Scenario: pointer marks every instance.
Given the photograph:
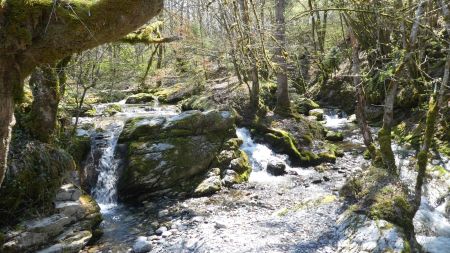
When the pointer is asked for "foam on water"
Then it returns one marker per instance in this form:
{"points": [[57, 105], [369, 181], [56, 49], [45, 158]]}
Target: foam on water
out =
{"points": [[260, 156]]}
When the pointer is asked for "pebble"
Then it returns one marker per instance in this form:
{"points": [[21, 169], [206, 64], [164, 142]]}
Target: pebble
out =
{"points": [[192, 244], [155, 224], [219, 225], [198, 219], [161, 230], [166, 234], [163, 213], [142, 245]]}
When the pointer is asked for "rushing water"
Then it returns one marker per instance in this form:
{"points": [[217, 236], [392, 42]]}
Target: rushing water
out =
{"points": [[105, 191], [123, 224]]}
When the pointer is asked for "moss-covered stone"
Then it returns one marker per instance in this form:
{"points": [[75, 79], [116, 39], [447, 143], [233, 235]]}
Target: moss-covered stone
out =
{"points": [[141, 98], [334, 136], [79, 148], [201, 103], [318, 113], [304, 105], [112, 109], [173, 153], [174, 93], [282, 142], [35, 174], [380, 196], [327, 157]]}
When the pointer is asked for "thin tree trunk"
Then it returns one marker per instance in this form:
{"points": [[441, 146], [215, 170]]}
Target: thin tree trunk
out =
{"points": [[361, 100], [283, 102], [411, 56], [9, 75], [149, 65], [313, 25], [384, 135], [159, 62], [446, 79], [254, 96]]}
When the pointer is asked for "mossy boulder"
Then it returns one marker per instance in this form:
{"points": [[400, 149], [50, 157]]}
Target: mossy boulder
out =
{"points": [[34, 175], [318, 113], [283, 142], [201, 103], [334, 136], [379, 195], [304, 105], [112, 109], [174, 93], [170, 155], [141, 98], [79, 148]]}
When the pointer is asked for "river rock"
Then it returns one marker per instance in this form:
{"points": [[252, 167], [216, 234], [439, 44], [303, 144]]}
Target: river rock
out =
{"points": [[68, 192], [276, 168], [208, 186], [318, 113], [141, 98], [68, 230], [334, 136], [358, 233], [52, 225], [142, 245], [161, 230], [169, 155]]}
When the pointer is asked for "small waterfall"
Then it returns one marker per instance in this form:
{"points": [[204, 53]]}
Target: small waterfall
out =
{"points": [[335, 119], [105, 191], [260, 156]]}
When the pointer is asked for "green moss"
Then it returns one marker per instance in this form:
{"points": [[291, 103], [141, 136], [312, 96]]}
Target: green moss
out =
{"points": [[174, 93], [112, 109], [283, 142], [201, 103], [90, 113], [327, 157], [29, 189], [79, 148], [381, 196], [334, 136], [141, 98]]}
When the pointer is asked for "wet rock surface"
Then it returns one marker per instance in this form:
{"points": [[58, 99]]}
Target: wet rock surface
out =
{"points": [[171, 155], [68, 230]]}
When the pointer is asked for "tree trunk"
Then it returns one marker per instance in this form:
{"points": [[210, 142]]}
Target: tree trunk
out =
{"points": [[361, 100], [9, 78], [255, 90], [283, 102], [44, 83]]}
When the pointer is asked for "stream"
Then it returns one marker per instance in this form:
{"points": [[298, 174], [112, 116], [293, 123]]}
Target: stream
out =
{"points": [[297, 212]]}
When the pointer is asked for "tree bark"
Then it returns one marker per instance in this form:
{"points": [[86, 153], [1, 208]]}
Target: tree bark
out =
{"points": [[37, 37], [44, 83], [9, 77], [283, 102], [361, 100]]}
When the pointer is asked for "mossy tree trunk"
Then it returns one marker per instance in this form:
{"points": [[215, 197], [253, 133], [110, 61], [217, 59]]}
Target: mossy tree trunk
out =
{"points": [[38, 32], [360, 98], [435, 104], [384, 135], [283, 102], [44, 83], [47, 84]]}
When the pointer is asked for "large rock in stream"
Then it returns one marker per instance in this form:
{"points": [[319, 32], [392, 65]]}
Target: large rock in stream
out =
{"points": [[172, 155]]}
